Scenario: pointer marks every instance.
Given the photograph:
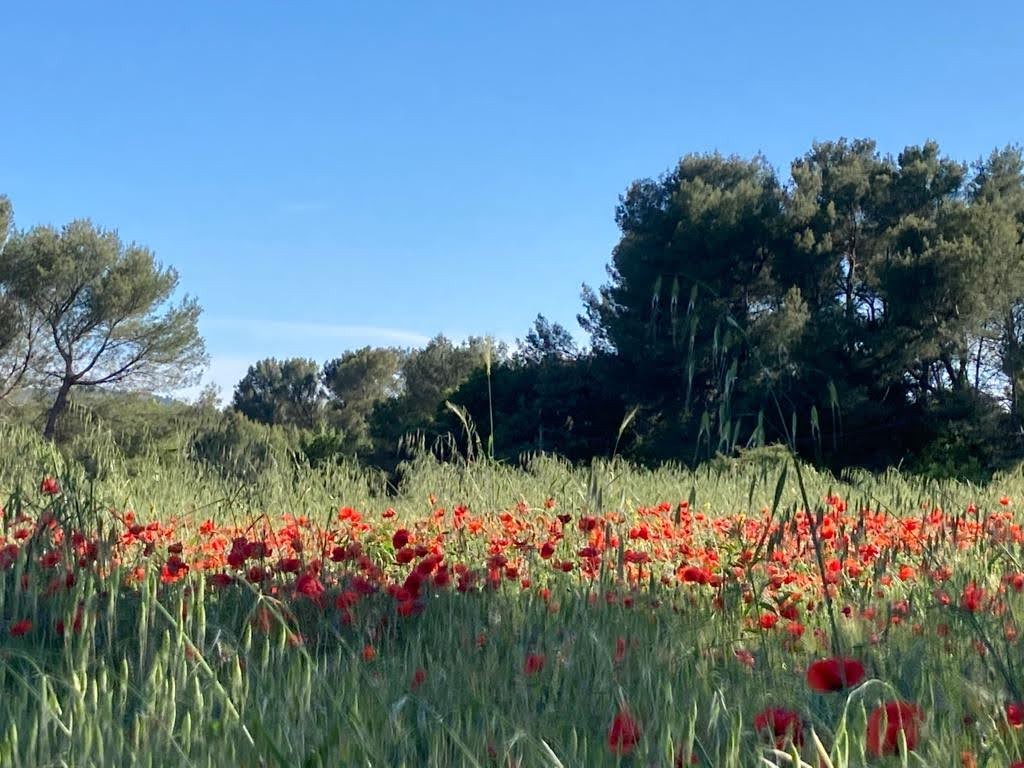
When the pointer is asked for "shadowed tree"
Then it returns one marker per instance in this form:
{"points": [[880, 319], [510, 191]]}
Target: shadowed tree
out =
{"points": [[106, 312], [691, 274], [867, 296], [281, 392], [428, 377], [357, 381], [546, 341]]}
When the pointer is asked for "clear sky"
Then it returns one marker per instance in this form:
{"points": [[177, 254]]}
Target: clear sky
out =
{"points": [[326, 175]]}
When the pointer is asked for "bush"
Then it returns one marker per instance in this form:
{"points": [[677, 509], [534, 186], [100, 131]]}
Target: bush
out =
{"points": [[244, 449]]}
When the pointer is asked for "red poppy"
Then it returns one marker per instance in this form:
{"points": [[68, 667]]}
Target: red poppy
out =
{"points": [[173, 569], [1015, 713], [309, 585], [623, 734], [400, 539], [694, 575], [973, 597], [408, 608], [834, 674], [418, 677], [49, 486], [885, 724], [369, 653], [620, 650], [20, 628], [534, 663], [782, 724]]}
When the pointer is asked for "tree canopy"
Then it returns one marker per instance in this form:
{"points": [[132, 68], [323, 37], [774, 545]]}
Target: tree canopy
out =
{"points": [[871, 292], [106, 311], [358, 381], [281, 392]]}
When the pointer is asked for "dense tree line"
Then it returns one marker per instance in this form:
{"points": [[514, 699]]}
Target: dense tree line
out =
{"points": [[868, 310]]}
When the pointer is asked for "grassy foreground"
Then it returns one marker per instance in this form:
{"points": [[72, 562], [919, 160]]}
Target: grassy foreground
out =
{"points": [[160, 615]]}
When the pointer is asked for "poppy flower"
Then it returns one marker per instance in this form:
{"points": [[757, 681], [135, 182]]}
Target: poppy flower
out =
{"points": [[173, 569], [973, 598], [1015, 713], [309, 585], [369, 653], [834, 674], [620, 650], [782, 724], [49, 486], [21, 628], [623, 734], [400, 538], [534, 663], [885, 724], [693, 575], [408, 608], [417, 678]]}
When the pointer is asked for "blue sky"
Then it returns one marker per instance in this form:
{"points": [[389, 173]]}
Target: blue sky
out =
{"points": [[328, 175]]}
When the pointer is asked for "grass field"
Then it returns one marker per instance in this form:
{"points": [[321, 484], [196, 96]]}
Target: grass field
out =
{"points": [[157, 614]]}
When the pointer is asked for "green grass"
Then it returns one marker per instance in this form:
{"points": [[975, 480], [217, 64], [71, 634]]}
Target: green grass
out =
{"points": [[182, 674]]}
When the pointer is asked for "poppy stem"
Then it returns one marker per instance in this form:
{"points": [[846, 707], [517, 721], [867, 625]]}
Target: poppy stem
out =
{"points": [[819, 556]]}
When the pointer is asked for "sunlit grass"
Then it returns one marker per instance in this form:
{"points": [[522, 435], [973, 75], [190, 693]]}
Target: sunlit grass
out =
{"points": [[158, 669]]}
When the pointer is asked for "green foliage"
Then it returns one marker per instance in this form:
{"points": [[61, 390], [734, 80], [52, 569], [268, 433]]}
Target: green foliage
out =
{"points": [[543, 404], [867, 311], [244, 449], [105, 309], [851, 304], [358, 381], [322, 446], [546, 341], [428, 377], [17, 328], [286, 392], [182, 674], [6, 214]]}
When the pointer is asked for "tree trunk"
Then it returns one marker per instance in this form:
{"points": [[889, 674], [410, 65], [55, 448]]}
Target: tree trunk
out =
{"points": [[57, 409]]}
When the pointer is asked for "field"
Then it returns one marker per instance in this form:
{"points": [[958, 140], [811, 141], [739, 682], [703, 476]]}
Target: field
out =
{"points": [[158, 614]]}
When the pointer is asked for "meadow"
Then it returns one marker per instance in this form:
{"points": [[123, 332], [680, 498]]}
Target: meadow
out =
{"points": [[750, 612]]}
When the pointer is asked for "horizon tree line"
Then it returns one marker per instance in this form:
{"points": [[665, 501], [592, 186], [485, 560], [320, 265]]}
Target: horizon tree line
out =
{"points": [[867, 309]]}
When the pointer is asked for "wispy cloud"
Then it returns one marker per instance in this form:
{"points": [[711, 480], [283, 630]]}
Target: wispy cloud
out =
{"points": [[284, 328]]}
